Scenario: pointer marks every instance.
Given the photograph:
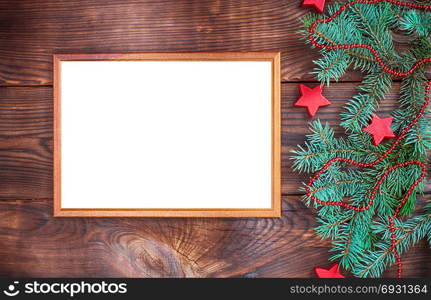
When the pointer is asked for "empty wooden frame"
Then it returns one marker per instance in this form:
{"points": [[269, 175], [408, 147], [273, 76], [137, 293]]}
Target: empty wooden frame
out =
{"points": [[167, 135]]}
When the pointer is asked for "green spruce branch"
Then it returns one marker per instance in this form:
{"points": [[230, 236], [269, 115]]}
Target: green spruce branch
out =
{"points": [[361, 240]]}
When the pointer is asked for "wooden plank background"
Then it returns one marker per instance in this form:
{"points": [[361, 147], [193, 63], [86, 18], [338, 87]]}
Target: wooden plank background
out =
{"points": [[33, 243]]}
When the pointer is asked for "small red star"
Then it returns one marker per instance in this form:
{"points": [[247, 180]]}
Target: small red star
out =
{"points": [[379, 129], [333, 272], [311, 98], [317, 4]]}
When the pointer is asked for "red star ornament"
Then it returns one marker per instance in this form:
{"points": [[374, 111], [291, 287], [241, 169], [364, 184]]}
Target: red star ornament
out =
{"points": [[333, 272], [311, 98], [379, 129], [317, 4]]}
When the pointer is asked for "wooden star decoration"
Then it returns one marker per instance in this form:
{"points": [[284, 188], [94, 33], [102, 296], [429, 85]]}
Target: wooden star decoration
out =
{"points": [[317, 4], [311, 98], [332, 272], [380, 129]]}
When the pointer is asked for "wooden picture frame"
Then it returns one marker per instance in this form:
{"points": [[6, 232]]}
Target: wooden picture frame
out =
{"points": [[63, 87]]}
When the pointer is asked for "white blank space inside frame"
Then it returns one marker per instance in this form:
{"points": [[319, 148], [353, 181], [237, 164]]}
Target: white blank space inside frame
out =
{"points": [[166, 134]]}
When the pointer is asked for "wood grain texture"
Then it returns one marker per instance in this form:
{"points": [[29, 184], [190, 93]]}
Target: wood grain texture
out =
{"points": [[31, 31], [33, 243]]}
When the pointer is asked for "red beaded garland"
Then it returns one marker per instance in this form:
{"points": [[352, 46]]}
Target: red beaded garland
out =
{"points": [[396, 142]]}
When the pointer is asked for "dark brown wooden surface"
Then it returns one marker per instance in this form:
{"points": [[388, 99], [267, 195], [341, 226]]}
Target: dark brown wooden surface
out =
{"points": [[33, 243]]}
